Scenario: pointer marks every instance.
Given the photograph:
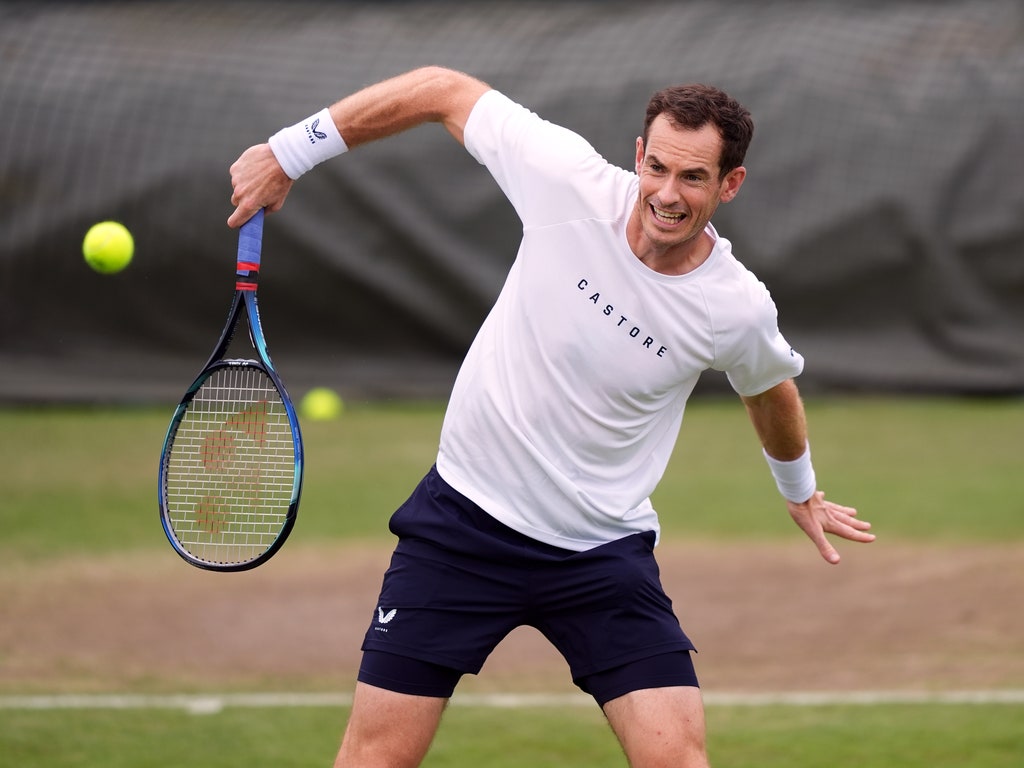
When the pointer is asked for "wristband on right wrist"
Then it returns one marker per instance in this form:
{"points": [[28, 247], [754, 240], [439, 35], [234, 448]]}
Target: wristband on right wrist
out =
{"points": [[309, 142]]}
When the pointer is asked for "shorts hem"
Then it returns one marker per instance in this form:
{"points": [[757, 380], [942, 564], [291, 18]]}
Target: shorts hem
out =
{"points": [[647, 685], [400, 686], [628, 658], [666, 670]]}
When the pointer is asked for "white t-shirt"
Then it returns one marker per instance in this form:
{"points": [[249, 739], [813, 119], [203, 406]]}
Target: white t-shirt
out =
{"points": [[569, 402]]}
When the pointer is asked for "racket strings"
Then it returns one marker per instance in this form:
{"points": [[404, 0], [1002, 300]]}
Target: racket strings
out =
{"points": [[231, 469]]}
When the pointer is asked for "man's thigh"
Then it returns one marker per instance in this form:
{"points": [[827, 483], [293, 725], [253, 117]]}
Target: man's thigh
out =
{"points": [[387, 728], [660, 727]]}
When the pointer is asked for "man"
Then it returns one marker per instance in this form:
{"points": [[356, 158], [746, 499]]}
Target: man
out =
{"points": [[565, 411]]}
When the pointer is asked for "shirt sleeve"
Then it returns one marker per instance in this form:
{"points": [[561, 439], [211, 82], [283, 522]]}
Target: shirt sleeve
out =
{"points": [[752, 350], [549, 173]]}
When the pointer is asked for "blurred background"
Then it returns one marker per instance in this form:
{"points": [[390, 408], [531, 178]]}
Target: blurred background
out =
{"points": [[884, 206]]}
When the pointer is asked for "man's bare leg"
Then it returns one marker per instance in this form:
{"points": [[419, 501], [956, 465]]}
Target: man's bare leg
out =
{"points": [[660, 727], [388, 729]]}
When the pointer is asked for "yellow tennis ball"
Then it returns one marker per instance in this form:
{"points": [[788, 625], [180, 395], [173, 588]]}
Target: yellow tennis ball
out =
{"points": [[321, 404], [108, 247]]}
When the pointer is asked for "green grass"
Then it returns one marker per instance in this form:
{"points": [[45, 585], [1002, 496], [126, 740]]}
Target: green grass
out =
{"points": [[85, 481], [81, 481], [923, 469], [151, 738], [855, 736], [886, 736]]}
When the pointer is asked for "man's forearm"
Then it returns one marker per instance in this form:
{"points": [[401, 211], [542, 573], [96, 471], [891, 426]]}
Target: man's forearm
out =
{"points": [[781, 424], [428, 94], [779, 420]]}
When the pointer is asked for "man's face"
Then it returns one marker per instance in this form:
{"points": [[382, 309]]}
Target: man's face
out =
{"points": [[680, 186]]}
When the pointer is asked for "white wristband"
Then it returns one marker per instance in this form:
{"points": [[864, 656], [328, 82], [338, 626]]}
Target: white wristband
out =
{"points": [[794, 479], [301, 146]]}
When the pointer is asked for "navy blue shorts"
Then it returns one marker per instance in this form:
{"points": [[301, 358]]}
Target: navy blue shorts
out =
{"points": [[460, 581]]}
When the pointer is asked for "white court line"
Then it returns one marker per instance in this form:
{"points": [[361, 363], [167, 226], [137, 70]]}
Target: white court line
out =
{"points": [[212, 703]]}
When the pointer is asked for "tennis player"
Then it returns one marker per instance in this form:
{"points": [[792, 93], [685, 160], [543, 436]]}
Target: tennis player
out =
{"points": [[566, 409]]}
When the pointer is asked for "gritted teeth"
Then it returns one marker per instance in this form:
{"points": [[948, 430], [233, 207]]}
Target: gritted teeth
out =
{"points": [[669, 217]]}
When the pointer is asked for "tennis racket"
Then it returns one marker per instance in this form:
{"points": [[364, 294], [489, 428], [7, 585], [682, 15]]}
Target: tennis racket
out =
{"points": [[231, 466]]}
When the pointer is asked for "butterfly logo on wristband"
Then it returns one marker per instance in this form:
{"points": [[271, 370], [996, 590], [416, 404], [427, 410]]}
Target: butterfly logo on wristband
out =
{"points": [[319, 134]]}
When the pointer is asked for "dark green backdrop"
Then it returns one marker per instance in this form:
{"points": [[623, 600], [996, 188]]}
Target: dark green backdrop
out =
{"points": [[884, 205]]}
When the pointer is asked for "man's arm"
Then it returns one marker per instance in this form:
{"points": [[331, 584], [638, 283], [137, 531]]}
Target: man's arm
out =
{"points": [[781, 424], [429, 94]]}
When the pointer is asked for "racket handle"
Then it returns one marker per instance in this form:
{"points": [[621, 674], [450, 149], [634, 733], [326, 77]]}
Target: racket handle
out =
{"points": [[250, 241]]}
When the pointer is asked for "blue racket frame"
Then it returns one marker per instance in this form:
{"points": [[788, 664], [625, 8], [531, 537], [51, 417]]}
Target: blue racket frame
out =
{"points": [[250, 242]]}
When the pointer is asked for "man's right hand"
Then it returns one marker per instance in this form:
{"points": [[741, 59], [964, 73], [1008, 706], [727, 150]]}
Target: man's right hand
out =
{"points": [[257, 182]]}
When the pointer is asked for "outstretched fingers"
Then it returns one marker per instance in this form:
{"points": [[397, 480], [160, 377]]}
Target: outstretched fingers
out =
{"points": [[843, 521], [818, 517]]}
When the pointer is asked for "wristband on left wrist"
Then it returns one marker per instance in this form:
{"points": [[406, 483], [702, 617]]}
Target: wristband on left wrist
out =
{"points": [[795, 479]]}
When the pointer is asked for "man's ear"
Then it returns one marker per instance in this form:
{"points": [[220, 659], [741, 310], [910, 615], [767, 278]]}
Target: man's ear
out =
{"points": [[732, 182], [639, 154]]}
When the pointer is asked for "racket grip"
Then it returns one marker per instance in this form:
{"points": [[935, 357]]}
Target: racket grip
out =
{"points": [[250, 241]]}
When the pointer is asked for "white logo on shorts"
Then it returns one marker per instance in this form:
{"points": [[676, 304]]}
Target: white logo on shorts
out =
{"points": [[385, 618]]}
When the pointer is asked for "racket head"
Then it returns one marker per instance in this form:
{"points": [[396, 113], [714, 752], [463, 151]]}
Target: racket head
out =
{"points": [[231, 468]]}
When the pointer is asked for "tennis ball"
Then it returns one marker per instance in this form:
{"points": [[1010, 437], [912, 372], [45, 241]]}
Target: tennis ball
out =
{"points": [[108, 247], [321, 404]]}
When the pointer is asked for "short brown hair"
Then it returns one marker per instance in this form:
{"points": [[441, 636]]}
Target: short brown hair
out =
{"points": [[694, 106]]}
